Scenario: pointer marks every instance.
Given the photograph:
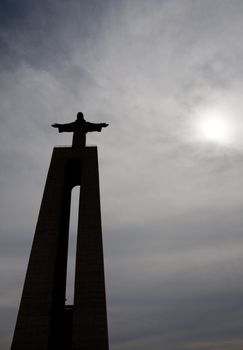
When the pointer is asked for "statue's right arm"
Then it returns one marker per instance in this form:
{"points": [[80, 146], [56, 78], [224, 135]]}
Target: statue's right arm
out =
{"points": [[67, 127], [55, 125]]}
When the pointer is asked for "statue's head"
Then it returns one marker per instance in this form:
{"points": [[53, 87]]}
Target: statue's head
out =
{"points": [[80, 115]]}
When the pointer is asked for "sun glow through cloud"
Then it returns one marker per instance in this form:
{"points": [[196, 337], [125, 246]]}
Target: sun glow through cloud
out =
{"points": [[215, 126]]}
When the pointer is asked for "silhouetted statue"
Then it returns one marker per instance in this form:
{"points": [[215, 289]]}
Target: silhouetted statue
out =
{"points": [[79, 128]]}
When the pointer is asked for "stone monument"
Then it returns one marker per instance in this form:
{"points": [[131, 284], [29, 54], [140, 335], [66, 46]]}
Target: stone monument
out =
{"points": [[44, 321]]}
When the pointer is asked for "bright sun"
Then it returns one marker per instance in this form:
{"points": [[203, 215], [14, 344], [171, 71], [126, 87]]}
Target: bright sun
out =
{"points": [[214, 126], [214, 129]]}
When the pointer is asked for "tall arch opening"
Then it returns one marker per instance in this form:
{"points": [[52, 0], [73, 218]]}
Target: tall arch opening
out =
{"points": [[72, 244]]}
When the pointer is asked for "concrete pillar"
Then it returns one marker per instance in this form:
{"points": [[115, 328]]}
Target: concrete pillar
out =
{"points": [[44, 322]]}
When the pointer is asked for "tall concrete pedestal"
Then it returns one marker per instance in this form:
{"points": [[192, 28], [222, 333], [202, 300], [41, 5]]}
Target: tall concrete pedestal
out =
{"points": [[44, 322]]}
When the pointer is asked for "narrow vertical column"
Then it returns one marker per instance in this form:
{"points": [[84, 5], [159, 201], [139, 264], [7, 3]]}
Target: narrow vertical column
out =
{"points": [[46, 269], [90, 319]]}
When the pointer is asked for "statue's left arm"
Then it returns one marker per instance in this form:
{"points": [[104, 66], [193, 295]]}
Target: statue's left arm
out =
{"points": [[89, 127]]}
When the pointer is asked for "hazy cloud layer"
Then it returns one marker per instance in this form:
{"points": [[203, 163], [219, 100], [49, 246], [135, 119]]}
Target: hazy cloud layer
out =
{"points": [[171, 202]]}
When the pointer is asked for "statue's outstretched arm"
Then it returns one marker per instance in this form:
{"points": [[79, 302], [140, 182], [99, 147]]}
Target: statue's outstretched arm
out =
{"points": [[68, 127], [55, 125], [89, 127]]}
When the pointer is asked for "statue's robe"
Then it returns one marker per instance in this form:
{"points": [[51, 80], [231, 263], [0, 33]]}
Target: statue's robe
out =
{"points": [[80, 125]]}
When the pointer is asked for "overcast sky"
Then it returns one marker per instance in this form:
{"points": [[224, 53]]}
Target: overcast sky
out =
{"points": [[167, 75]]}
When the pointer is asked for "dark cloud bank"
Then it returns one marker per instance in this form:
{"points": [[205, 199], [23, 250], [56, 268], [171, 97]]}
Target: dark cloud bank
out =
{"points": [[171, 206]]}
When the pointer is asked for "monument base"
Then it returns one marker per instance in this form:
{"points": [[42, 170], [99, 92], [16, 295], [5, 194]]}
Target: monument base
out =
{"points": [[44, 321]]}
